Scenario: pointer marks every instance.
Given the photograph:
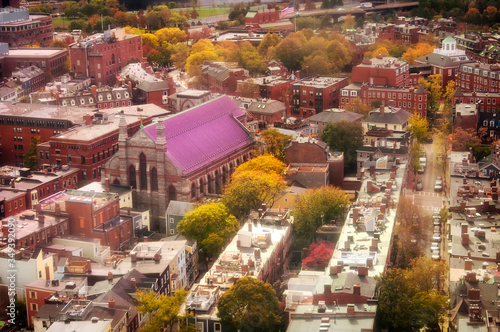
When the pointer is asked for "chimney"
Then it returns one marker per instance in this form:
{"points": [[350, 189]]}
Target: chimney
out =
{"points": [[355, 214], [462, 206], [133, 257], [474, 294], [110, 276], [334, 269], [468, 265], [351, 310], [256, 253], [465, 228], [369, 262], [133, 283], [56, 93], [486, 206], [347, 245], [41, 218], [93, 88], [107, 185], [88, 119], [494, 196], [57, 209], [372, 170], [327, 288], [89, 265], [382, 110], [130, 87], [12, 183], [356, 289], [249, 226], [157, 257], [362, 271], [497, 260], [111, 304], [340, 264], [465, 238]]}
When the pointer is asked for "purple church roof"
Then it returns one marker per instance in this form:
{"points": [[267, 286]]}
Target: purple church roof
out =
{"points": [[203, 134]]}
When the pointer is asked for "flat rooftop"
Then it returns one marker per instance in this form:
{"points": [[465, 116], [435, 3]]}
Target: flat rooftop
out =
{"points": [[319, 81], [27, 222], [97, 200], [73, 114], [36, 52]]}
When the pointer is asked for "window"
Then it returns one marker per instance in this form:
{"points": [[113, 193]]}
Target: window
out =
{"points": [[131, 177], [33, 295], [172, 231], [154, 179], [34, 307], [217, 327], [171, 220], [172, 194], [143, 172], [193, 190]]}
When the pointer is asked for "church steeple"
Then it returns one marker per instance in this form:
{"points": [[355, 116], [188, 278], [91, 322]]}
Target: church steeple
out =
{"points": [[122, 130], [161, 141]]}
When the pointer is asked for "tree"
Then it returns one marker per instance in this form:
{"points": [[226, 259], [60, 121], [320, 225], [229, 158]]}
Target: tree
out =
{"points": [[395, 49], [318, 64], [408, 299], [275, 143], [247, 88], [356, 105], [449, 92], [180, 53], [419, 127], [171, 35], [31, 157], [250, 189], [433, 86], [250, 59], [163, 310], [227, 51], [211, 226], [417, 51], [265, 163], [318, 255], [316, 207], [269, 41], [346, 137], [309, 5], [289, 51], [415, 152], [202, 51], [339, 51], [249, 305], [349, 22], [464, 139]]}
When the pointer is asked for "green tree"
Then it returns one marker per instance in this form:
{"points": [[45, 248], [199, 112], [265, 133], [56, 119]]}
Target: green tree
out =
{"points": [[249, 305], [163, 310], [409, 299], [356, 105], [419, 127], [31, 157], [289, 51], [415, 152], [346, 137], [211, 225], [318, 64], [275, 143], [250, 189], [265, 163], [316, 207]]}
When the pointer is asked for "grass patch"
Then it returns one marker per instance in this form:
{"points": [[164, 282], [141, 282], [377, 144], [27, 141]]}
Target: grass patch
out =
{"points": [[59, 23], [206, 11]]}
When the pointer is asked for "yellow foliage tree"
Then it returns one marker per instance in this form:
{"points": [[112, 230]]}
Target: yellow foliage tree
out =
{"points": [[171, 35], [417, 51]]}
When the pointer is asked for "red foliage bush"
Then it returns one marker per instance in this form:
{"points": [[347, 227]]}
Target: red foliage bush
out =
{"points": [[318, 255]]}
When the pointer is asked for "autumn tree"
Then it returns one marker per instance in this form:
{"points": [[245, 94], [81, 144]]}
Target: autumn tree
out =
{"points": [[250, 189], [249, 305], [318, 64], [202, 51], [417, 51], [441, 146], [419, 127], [357, 105], [31, 156], [269, 41], [449, 92], [318, 255], [180, 53], [464, 139], [265, 163], [289, 51], [412, 226], [171, 35], [163, 310], [415, 152], [349, 22], [408, 299], [316, 207], [394, 49], [434, 87], [345, 137], [250, 59], [275, 143], [211, 226], [227, 51]]}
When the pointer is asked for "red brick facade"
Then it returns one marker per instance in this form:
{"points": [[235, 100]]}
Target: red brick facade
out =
{"points": [[385, 71], [26, 29], [102, 58], [478, 77]]}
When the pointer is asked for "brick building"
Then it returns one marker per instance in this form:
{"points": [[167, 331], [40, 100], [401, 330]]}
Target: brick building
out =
{"points": [[93, 215], [407, 33], [155, 92], [89, 146], [478, 77], [267, 111], [186, 99], [30, 79], [472, 43], [271, 87], [485, 102], [257, 15], [18, 28], [35, 228], [186, 157], [102, 56], [34, 185], [20, 123], [222, 77], [384, 71], [445, 61], [50, 60], [101, 98], [409, 98], [315, 94]]}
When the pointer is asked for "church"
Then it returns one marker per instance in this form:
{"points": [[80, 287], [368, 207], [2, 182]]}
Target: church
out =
{"points": [[186, 157]]}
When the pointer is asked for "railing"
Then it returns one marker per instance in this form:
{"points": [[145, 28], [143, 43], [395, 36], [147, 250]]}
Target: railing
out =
{"points": [[105, 252]]}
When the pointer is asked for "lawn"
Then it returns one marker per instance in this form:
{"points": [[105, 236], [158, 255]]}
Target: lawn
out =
{"points": [[207, 11], [59, 23]]}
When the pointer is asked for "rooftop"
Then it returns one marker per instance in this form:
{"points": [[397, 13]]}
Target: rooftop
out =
{"points": [[319, 81], [35, 52], [73, 114], [29, 222]]}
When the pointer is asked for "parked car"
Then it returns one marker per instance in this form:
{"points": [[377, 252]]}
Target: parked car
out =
{"points": [[420, 185], [421, 169], [436, 238]]}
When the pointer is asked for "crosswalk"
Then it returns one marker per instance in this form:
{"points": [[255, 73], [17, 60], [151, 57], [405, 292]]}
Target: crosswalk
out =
{"points": [[427, 193]]}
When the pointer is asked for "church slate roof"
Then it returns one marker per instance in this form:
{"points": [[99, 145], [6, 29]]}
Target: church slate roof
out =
{"points": [[203, 134]]}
